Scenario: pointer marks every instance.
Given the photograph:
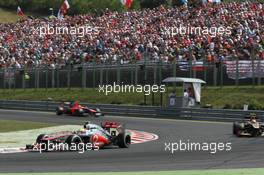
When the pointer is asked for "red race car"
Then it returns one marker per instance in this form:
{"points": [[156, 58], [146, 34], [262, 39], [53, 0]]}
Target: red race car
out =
{"points": [[75, 109]]}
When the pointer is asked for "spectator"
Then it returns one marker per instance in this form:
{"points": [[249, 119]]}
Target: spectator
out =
{"points": [[125, 37]]}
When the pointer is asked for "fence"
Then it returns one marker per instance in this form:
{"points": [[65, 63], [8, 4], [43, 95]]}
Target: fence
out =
{"points": [[83, 76], [142, 111]]}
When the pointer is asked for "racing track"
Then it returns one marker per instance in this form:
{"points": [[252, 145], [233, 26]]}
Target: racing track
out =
{"points": [[150, 156]]}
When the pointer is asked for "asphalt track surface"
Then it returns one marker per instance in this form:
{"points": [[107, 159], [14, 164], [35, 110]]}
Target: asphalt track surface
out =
{"points": [[150, 156]]}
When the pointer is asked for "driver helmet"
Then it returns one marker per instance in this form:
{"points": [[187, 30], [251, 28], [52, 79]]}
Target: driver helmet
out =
{"points": [[253, 117], [87, 125]]}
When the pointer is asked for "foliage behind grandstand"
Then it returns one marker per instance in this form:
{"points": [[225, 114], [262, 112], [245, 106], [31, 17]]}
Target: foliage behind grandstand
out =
{"points": [[77, 6], [84, 6]]}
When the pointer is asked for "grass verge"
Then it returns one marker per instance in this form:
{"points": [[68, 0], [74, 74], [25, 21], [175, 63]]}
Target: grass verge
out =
{"points": [[12, 125], [16, 139], [8, 16], [230, 96]]}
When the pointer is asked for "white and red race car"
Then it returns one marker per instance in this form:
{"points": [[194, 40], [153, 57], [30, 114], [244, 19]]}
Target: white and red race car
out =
{"points": [[97, 137]]}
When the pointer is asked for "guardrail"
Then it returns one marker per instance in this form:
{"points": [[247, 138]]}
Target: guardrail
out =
{"points": [[141, 111]]}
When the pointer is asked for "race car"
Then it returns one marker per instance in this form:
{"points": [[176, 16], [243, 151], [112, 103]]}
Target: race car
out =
{"points": [[110, 134], [250, 126], [75, 109]]}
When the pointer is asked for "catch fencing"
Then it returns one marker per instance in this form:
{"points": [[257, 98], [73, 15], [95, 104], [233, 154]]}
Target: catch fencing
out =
{"points": [[92, 75]]}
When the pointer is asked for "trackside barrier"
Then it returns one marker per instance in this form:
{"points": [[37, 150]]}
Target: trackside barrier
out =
{"points": [[140, 111]]}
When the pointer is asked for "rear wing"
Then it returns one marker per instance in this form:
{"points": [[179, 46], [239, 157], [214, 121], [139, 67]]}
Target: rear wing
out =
{"points": [[113, 128], [108, 124]]}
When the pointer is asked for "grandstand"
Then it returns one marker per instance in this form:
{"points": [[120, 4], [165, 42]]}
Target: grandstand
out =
{"points": [[141, 37]]}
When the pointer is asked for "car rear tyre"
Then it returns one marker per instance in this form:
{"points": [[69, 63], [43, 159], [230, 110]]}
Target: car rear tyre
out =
{"points": [[123, 141], [79, 113], [234, 128], [237, 129], [59, 112], [90, 114]]}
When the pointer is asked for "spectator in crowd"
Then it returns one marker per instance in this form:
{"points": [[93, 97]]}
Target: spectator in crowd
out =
{"points": [[129, 37]]}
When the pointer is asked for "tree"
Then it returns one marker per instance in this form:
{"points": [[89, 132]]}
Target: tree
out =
{"points": [[152, 3]]}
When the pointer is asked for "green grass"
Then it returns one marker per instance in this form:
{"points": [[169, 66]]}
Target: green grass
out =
{"points": [[8, 16], [232, 96], [256, 171], [85, 95], [11, 125]]}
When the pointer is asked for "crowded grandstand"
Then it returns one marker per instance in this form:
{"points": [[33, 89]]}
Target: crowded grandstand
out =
{"points": [[136, 35]]}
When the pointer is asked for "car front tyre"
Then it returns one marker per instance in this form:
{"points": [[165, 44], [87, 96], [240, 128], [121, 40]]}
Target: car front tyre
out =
{"points": [[74, 139]]}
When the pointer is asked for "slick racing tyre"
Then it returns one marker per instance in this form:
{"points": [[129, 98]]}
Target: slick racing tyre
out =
{"points": [[44, 144], [237, 129], [255, 132], [234, 128], [74, 141], [91, 114], [79, 112], [59, 111], [40, 137], [123, 141]]}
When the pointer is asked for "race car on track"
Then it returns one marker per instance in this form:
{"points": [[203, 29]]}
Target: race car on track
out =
{"points": [[250, 126], [108, 134], [75, 109]]}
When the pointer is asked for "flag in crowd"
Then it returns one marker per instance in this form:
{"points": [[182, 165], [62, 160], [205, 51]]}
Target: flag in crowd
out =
{"points": [[244, 69], [20, 12], [196, 65], [127, 3], [64, 9], [214, 1]]}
